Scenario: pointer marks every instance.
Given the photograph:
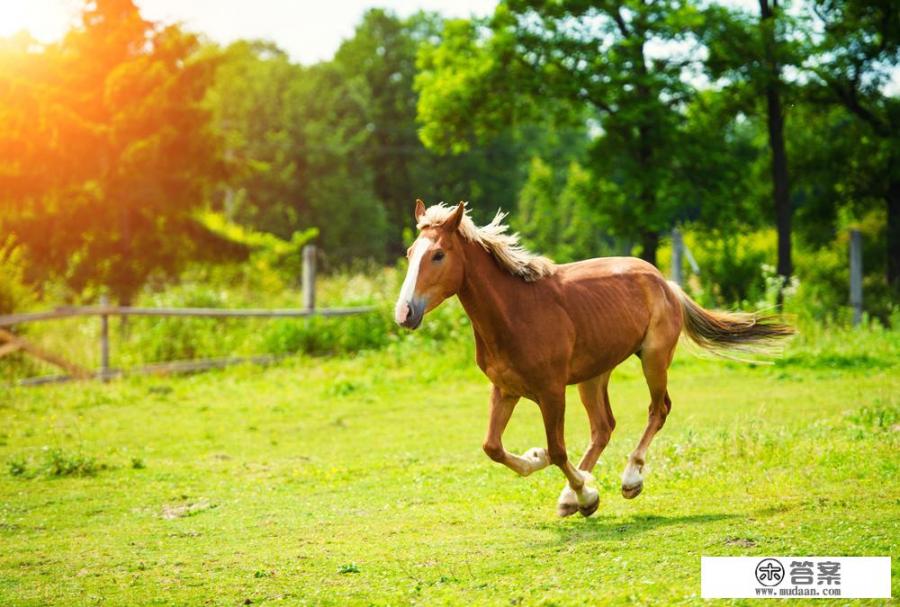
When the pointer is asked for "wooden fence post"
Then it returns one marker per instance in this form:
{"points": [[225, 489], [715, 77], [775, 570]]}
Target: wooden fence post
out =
{"points": [[856, 275], [104, 341], [309, 277], [677, 254]]}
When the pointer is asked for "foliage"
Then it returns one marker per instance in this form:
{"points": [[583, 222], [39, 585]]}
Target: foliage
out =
{"points": [[16, 294], [533, 57], [268, 252], [115, 110], [861, 41], [298, 135], [566, 219], [598, 127], [57, 462]]}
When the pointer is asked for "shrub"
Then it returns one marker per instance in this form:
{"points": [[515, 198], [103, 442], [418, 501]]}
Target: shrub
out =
{"points": [[62, 463], [17, 466], [15, 294]]}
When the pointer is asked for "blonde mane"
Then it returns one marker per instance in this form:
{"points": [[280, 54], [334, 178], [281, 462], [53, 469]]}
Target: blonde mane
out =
{"points": [[494, 239]]}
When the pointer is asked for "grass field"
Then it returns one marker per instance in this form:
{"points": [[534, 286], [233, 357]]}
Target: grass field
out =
{"points": [[360, 480]]}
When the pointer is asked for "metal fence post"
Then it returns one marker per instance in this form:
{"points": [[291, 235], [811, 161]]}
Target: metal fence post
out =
{"points": [[677, 253], [104, 340], [856, 275], [309, 277]]}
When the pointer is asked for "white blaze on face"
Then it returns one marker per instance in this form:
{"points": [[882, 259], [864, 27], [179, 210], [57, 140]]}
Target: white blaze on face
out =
{"points": [[401, 310]]}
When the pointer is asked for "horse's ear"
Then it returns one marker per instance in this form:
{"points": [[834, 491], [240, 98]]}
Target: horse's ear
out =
{"points": [[420, 209], [455, 217]]}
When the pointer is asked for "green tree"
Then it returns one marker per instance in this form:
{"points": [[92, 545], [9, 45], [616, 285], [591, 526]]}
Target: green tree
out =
{"points": [[382, 55], [579, 60], [102, 170], [751, 54], [537, 218], [298, 138], [858, 51]]}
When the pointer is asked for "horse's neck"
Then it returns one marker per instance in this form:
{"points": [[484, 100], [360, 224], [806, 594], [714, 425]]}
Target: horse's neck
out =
{"points": [[487, 294]]}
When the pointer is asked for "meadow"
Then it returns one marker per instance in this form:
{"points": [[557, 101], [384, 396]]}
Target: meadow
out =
{"points": [[358, 479]]}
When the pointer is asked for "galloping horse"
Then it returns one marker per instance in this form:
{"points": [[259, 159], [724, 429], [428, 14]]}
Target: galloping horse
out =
{"points": [[540, 327]]}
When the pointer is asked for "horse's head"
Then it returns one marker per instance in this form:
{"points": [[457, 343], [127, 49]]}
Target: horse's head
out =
{"points": [[435, 268]]}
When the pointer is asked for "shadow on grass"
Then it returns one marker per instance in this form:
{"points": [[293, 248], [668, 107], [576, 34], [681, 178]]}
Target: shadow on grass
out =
{"points": [[604, 529]]}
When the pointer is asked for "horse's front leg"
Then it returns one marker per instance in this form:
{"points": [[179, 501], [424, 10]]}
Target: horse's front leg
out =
{"points": [[553, 408], [502, 406]]}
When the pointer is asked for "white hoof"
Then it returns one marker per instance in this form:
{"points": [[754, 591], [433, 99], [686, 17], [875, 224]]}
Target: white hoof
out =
{"points": [[536, 459], [586, 501], [632, 481], [567, 504]]}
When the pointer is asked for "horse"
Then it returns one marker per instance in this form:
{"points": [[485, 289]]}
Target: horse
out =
{"points": [[540, 326]]}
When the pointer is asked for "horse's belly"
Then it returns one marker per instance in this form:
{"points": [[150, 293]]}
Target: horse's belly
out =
{"points": [[588, 364]]}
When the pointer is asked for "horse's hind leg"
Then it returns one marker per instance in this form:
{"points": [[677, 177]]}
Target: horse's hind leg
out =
{"points": [[595, 398], [655, 363]]}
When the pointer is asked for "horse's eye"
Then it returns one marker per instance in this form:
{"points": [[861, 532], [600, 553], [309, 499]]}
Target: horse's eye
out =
{"points": [[438, 256]]}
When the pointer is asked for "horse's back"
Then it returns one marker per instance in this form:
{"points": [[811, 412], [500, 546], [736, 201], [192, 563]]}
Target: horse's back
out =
{"points": [[603, 267]]}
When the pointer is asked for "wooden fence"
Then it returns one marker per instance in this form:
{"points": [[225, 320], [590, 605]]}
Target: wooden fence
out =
{"points": [[11, 342]]}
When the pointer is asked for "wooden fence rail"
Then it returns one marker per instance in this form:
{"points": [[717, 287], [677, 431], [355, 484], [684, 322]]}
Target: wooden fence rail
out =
{"points": [[10, 342], [15, 343], [10, 320]]}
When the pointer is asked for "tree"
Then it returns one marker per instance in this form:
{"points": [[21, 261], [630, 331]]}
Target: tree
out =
{"points": [[536, 218], [772, 84], [299, 137], [382, 55], [751, 55], [857, 51], [579, 60], [102, 170]]}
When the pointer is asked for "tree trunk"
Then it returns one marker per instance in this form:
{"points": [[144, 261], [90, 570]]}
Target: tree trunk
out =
{"points": [[775, 122], [780, 184], [893, 234], [649, 244]]}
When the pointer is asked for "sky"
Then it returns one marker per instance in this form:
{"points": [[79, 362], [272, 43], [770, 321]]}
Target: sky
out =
{"points": [[309, 30]]}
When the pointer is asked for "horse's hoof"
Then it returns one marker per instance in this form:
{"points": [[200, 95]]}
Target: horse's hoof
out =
{"points": [[632, 491], [590, 509], [564, 509]]}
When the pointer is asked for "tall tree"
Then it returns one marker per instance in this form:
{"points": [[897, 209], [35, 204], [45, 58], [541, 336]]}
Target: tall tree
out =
{"points": [[299, 137], [115, 151], [772, 84], [382, 55], [575, 57], [751, 55], [858, 52]]}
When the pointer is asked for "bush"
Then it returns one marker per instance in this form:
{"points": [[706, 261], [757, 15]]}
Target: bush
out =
{"points": [[328, 335], [62, 463], [731, 267], [57, 462], [165, 339], [15, 294]]}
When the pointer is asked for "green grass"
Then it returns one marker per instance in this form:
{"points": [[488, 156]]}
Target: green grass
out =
{"points": [[360, 480]]}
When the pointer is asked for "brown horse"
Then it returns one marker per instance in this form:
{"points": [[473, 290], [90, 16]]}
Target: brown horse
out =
{"points": [[540, 327]]}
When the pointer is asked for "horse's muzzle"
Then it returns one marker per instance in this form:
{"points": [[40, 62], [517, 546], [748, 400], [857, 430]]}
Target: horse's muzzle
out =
{"points": [[415, 311]]}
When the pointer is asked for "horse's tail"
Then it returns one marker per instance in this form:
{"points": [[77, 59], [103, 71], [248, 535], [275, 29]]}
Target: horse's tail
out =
{"points": [[723, 331]]}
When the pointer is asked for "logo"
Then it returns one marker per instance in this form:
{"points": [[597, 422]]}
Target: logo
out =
{"points": [[769, 572], [790, 577]]}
